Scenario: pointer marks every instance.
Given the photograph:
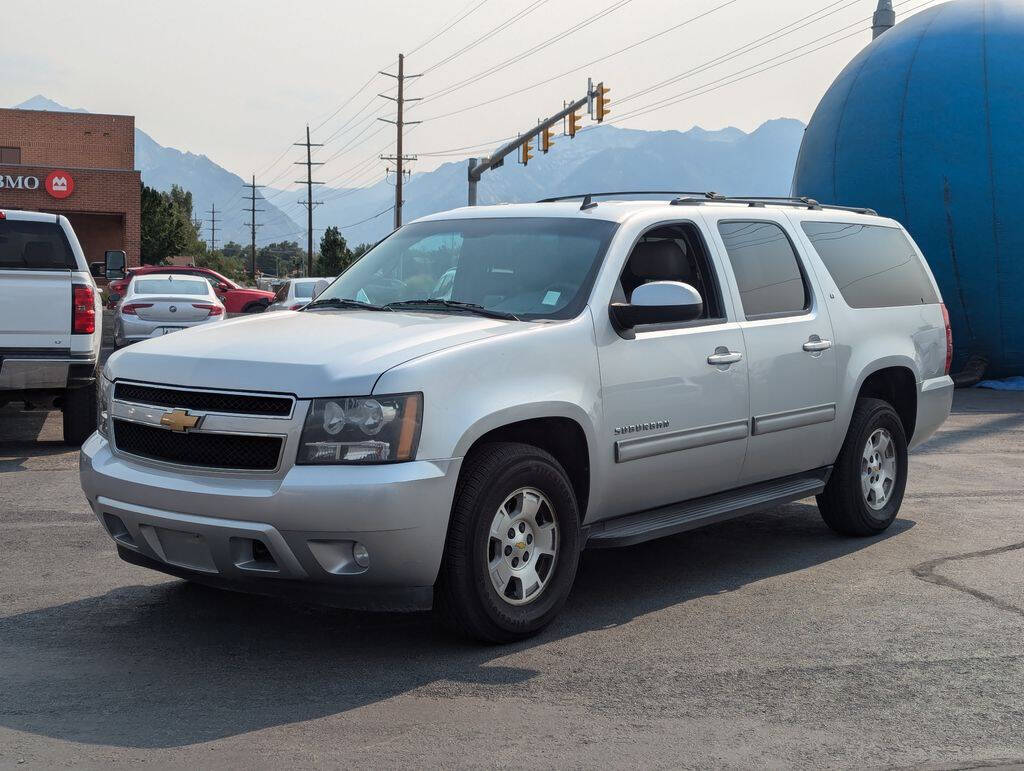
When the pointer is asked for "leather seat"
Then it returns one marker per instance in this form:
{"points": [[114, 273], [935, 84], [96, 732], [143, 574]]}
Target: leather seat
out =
{"points": [[662, 260]]}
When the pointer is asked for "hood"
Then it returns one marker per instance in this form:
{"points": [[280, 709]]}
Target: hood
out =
{"points": [[309, 354]]}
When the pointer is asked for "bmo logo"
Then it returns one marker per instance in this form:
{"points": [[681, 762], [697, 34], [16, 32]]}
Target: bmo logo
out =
{"points": [[59, 184]]}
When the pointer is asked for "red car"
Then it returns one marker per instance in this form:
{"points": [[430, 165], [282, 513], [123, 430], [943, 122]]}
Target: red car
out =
{"points": [[236, 299]]}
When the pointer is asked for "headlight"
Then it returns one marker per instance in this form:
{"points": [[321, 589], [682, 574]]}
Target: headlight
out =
{"points": [[103, 388], [361, 429]]}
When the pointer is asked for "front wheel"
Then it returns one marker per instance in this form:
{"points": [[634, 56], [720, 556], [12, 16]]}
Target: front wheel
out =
{"points": [[869, 477], [513, 544], [256, 307]]}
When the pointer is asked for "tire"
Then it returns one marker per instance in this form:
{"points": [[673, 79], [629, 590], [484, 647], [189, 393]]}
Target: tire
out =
{"points": [[79, 414], [845, 505], [256, 307], [498, 479]]}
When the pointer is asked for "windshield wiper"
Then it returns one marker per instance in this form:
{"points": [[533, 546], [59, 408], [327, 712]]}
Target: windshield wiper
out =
{"points": [[435, 303], [344, 302]]}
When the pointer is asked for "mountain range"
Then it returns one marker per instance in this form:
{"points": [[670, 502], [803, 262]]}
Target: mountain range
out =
{"points": [[603, 158], [600, 158]]}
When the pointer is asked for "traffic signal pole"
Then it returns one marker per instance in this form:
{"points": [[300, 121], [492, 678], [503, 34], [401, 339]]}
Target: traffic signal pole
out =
{"points": [[477, 166]]}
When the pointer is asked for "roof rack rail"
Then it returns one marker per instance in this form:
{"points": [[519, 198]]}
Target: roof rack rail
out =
{"points": [[558, 198], [759, 201]]}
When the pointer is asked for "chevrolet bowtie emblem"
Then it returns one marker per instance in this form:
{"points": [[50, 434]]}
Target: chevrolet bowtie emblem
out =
{"points": [[179, 420]]}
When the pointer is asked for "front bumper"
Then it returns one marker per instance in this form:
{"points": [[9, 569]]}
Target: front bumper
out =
{"points": [[290, 535]]}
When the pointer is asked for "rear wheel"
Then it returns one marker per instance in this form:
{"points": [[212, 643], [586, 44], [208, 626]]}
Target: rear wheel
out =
{"points": [[513, 544], [79, 414], [869, 477]]}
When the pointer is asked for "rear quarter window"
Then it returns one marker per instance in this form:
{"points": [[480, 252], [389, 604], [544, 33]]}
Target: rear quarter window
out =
{"points": [[34, 246], [874, 266]]}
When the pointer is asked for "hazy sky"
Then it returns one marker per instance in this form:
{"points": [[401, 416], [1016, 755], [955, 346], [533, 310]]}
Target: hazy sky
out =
{"points": [[237, 80]]}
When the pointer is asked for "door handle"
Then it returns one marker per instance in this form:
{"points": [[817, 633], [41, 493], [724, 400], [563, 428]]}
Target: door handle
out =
{"points": [[724, 356], [816, 344]]}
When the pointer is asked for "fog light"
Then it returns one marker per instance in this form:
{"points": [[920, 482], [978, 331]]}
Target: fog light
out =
{"points": [[361, 555]]}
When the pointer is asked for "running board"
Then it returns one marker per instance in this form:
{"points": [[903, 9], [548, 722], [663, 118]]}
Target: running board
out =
{"points": [[680, 517]]}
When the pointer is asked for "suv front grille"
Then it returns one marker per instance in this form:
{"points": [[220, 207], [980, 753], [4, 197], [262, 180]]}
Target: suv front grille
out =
{"points": [[214, 451], [207, 401]]}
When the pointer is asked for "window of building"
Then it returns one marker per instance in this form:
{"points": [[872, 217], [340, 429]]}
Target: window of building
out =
{"points": [[767, 271], [873, 266], [10, 155]]}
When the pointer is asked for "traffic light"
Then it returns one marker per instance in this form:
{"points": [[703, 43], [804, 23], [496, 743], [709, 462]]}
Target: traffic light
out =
{"points": [[524, 152], [574, 123], [602, 101], [546, 139]]}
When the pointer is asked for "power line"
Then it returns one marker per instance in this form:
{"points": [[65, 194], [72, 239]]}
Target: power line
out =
{"points": [[549, 80], [490, 33], [743, 73], [440, 32], [372, 217], [529, 52]]}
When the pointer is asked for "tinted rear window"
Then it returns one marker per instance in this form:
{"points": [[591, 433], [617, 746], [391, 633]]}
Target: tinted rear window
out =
{"points": [[163, 286], [767, 272], [873, 266], [34, 246]]}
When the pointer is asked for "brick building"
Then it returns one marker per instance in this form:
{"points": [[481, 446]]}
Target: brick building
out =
{"points": [[80, 165]]}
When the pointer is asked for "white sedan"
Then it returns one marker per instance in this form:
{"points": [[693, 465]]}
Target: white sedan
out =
{"points": [[156, 304]]}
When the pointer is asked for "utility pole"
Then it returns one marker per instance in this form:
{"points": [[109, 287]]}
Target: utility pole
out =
{"points": [[213, 227], [595, 99], [252, 223], [309, 203], [400, 124]]}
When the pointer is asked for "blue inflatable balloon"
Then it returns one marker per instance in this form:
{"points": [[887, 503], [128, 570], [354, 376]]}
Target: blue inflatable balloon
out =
{"points": [[926, 125]]}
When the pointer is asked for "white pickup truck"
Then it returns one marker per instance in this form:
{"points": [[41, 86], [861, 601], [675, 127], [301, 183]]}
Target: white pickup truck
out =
{"points": [[50, 319]]}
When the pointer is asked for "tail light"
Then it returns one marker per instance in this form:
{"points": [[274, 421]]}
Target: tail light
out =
{"points": [[949, 338], [131, 309], [83, 309], [297, 306], [215, 310]]}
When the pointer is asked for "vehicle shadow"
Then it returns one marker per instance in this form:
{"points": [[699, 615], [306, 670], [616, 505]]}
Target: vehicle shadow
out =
{"points": [[174, 664]]}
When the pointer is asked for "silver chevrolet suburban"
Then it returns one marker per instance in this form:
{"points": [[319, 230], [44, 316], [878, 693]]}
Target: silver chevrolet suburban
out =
{"points": [[599, 373]]}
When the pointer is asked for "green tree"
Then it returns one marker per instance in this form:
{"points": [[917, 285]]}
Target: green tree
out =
{"points": [[286, 255], [335, 255], [229, 267], [167, 227]]}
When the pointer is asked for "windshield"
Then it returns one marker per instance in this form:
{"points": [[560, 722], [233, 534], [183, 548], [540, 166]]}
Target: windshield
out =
{"points": [[170, 286], [533, 267]]}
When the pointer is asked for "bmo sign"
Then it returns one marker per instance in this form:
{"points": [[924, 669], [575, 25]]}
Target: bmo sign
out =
{"points": [[59, 184]]}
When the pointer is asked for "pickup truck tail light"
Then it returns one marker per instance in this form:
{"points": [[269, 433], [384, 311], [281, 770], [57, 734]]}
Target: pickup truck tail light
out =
{"points": [[297, 306], [83, 309], [131, 309], [949, 338], [214, 310]]}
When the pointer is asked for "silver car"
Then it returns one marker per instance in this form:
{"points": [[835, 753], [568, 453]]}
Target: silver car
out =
{"points": [[599, 374], [297, 292], [157, 304]]}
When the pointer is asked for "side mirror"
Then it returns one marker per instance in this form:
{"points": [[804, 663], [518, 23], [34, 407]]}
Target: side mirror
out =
{"points": [[659, 302], [222, 287], [114, 263], [98, 269]]}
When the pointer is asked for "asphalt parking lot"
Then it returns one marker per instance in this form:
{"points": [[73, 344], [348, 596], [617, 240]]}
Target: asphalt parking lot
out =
{"points": [[766, 641]]}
